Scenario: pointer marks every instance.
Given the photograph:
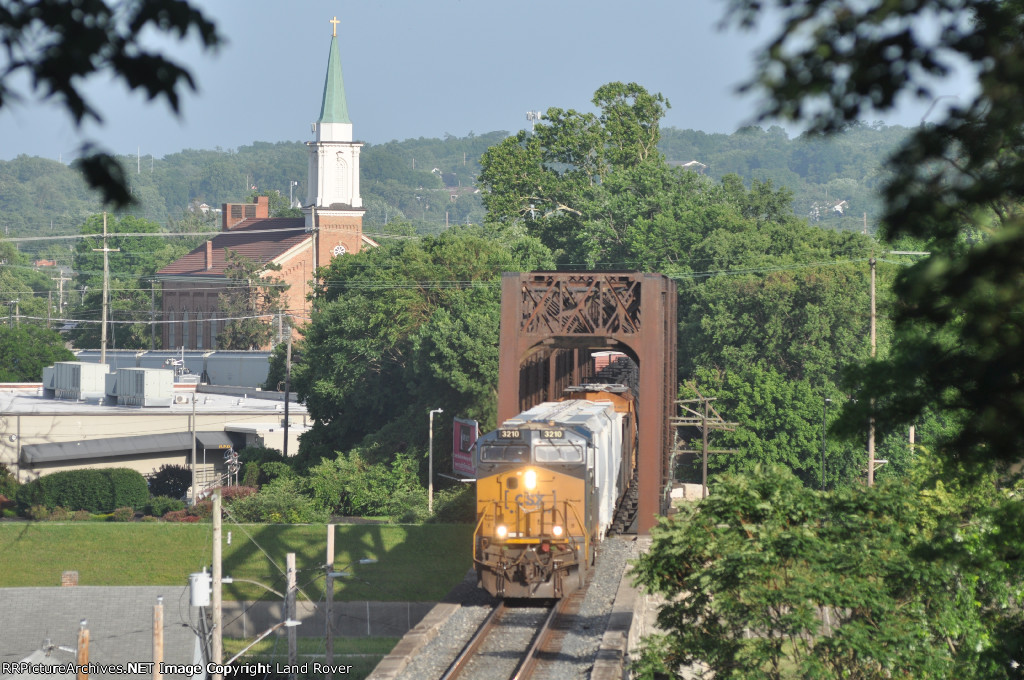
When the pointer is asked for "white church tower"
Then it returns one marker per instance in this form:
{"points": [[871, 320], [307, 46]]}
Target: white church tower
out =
{"points": [[334, 208]]}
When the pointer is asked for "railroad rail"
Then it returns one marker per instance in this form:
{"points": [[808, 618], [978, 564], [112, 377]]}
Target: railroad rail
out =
{"points": [[508, 630]]}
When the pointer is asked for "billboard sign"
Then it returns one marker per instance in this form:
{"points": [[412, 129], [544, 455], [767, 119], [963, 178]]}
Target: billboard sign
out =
{"points": [[466, 432]]}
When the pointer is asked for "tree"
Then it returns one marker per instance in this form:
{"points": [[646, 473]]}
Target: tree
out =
{"points": [[750, 573], [26, 349], [579, 179], [131, 292], [953, 183], [252, 302], [59, 44], [945, 551], [402, 329]]}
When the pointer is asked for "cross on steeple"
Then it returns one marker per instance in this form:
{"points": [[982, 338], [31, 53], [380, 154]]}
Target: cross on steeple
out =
{"points": [[335, 26]]}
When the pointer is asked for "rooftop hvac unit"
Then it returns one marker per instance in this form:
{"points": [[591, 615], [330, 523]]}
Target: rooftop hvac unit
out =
{"points": [[181, 399], [79, 380], [145, 386]]}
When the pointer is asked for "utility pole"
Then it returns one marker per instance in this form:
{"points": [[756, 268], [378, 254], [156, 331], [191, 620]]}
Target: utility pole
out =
{"points": [[82, 658], [287, 390], [194, 481], [106, 290], [329, 613], [706, 419], [158, 637], [217, 651], [289, 604], [152, 315], [871, 420]]}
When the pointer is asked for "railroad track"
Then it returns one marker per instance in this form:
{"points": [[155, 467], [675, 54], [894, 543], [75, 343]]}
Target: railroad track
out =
{"points": [[514, 641]]}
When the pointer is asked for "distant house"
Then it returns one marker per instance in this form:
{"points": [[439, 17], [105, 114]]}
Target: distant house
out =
{"points": [[331, 226]]}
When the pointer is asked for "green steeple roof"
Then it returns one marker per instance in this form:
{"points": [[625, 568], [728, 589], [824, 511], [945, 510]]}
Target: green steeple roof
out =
{"points": [[334, 108]]}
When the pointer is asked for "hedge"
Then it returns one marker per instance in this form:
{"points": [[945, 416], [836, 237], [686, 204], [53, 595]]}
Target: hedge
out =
{"points": [[93, 490]]}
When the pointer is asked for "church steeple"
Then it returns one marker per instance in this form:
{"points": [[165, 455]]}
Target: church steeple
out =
{"points": [[334, 125], [334, 108], [333, 208]]}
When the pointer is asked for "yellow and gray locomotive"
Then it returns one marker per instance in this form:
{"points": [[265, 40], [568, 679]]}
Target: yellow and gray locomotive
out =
{"points": [[548, 483]]}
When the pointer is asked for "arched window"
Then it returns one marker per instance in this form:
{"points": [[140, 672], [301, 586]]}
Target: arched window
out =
{"points": [[200, 330], [185, 322], [172, 330], [341, 177]]}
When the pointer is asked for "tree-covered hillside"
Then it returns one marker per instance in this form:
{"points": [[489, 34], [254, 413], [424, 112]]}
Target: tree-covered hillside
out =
{"points": [[421, 185]]}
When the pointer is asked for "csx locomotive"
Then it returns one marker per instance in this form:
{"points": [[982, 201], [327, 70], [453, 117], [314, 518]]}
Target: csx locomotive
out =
{"points": [[548, 482]]}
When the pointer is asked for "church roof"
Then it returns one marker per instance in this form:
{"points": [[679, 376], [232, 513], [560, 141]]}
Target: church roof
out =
{"points": [[334, 108], [259, 239]]}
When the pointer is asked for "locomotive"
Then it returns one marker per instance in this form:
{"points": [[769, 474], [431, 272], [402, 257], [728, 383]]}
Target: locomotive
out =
{"points": [[548, 484]]}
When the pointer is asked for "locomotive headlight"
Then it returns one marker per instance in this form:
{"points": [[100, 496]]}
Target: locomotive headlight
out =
{"points": [[501, 531], [530, 479], [556, 530]]}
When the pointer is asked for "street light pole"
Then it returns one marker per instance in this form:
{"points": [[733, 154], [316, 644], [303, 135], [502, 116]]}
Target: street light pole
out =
{"points": [[430, 464]]}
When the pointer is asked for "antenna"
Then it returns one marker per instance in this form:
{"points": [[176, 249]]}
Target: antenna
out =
{"points": [[533, 117]]}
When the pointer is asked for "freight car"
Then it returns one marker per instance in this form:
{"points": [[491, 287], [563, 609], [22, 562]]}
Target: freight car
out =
{"points": [[548, 482]]}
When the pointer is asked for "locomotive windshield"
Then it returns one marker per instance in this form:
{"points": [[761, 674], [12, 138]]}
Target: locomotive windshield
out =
{"points": [[504, 453], [566, 452]]}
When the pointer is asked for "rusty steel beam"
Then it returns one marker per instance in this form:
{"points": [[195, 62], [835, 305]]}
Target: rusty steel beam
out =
{"points": [[547, 318]]}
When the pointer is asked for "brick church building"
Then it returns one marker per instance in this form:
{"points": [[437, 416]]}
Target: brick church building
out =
{"points": [[331, 226]]}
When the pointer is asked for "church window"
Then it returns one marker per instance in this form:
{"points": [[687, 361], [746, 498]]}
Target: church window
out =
{"points": [[172, 330], [185, 329], [342, 179]]}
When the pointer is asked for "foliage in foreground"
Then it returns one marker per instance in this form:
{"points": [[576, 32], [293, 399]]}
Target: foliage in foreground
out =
{"points": [[916, 581]]}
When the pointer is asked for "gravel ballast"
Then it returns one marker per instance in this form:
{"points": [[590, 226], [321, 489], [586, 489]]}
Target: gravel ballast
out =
{"points": [[581, 642]]}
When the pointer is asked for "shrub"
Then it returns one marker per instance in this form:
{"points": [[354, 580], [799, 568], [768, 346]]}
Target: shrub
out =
{"points": [[201, 510], [455, 506], [128, 489], [59, 514], [161, 505], [171, 481], [274, 469], [259, 454], [280, 501], [38, 513], [81, 516], [149, 518], [8, 482], [8, 513], [176, 516], [348, 485], [229, 494], [251, 474], [123, 515], [93, 490]]}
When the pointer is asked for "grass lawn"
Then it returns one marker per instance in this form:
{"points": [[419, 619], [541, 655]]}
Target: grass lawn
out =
{"points": [[414, 563], [362, 654]]}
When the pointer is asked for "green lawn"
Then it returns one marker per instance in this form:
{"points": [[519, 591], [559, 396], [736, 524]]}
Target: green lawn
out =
{"points": [[414, 563]]}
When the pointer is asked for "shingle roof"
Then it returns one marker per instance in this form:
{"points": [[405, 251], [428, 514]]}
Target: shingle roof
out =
{"points": [[260, 239]]}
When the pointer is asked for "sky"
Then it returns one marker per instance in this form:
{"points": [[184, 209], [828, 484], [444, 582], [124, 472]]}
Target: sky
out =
{"points": [[415, 68]]}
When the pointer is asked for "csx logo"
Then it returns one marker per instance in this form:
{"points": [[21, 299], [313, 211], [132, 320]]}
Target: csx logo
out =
{"points": [[531, 501]]}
